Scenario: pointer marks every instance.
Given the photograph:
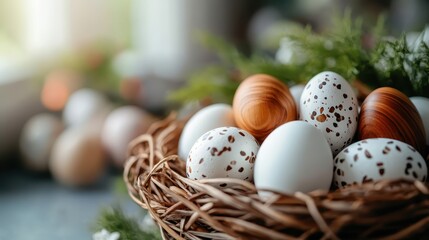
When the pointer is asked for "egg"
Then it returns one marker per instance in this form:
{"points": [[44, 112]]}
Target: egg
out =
{"points": [[121, 126], [225, 152], [294, 157], [388, 113], [82, 106], [206, 119], [37, 138], [77, 157], [377, 159], [329, 103], [296, 92], [422, 106], [262, 103]]}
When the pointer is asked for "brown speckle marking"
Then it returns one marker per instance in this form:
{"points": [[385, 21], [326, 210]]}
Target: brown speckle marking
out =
{"points": [[201, 161], [313, 114], [223, 185], [407, 168], [410, 158], [419, 165], [345, 95], [233, 162], [242, 153], [339, 86], [228, 168], [355, 157], [214, 151], [411, 148], [398, 148], [415, 175], [390, 142], [328, 130], [241, 169], [321, 118], [381, 171], [231, 139], [337, 134], [331, 109], [241, 133], [189, 169], [368, 154], [211, 137], [224, 149], [322, 109], [204, 176]]}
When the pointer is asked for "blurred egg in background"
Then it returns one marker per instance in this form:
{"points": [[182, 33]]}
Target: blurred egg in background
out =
{"points": [[121, 126], [78, 158], [37, 139], [83, 105]]}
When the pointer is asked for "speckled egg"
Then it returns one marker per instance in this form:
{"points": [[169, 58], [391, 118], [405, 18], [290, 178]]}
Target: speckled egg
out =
{"points": [[329, 103], [376, 159], [225, 152]]}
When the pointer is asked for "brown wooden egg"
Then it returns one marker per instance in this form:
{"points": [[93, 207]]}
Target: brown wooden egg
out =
{"points": [[262, 103], [388, 113]]}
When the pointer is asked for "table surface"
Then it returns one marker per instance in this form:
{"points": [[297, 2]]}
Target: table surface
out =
{"points": [[37, 207]]}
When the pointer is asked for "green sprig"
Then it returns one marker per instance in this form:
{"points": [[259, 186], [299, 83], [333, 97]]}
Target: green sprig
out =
{"points": [[344, 48], [114, 220]]}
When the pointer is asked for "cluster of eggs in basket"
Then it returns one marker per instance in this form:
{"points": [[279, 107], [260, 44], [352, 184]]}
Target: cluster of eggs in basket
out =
{"points": [[307, 138]]}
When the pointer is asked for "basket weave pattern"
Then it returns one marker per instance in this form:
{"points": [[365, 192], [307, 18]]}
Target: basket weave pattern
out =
{"points": [[189, 209]]}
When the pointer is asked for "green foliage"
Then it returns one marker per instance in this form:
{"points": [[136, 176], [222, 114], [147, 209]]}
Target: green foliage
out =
{"points": [[401, 67], [114, 220], [346, 48]]}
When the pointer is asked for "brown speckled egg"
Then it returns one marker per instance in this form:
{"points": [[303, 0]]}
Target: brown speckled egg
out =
{"points": [[377, 159], [262, 103], [225, 152], [329, 103], [388, 113]]}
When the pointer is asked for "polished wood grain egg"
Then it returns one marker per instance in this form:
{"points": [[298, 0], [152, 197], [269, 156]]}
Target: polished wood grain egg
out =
{"points": [[262, 103], [388, 113]]}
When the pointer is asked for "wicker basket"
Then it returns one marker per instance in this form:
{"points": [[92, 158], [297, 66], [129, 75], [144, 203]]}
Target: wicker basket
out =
{"points": [[189, 209]]}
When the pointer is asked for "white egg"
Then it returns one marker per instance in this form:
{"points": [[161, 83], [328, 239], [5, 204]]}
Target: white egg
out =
{"points": [[37, 138], [77, 157], [422, 105], [121, 126], [294, 157], [225, 152], [376, 159], [329, 103], [296, 92], [206, 119], [82, 106]]}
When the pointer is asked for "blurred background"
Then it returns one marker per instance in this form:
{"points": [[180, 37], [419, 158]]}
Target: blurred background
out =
{"points": [[80, 78]]}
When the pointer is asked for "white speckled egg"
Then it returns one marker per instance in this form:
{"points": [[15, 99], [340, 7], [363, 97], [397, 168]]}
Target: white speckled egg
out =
{"points": [[225, 152], [376, 159], [329, 103], [422, 105], [294, 157], [206, 119]]}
